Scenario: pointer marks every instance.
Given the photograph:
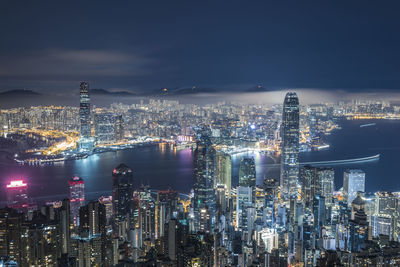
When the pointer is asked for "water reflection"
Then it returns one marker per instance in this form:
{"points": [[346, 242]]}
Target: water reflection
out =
{"points": [[164, 166]]}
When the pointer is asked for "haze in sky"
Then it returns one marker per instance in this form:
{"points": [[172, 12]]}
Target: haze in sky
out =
{"points": [[306, 96]]}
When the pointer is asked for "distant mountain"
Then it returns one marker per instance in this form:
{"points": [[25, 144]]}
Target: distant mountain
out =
{"points": [[183, 91], [109, 93], [19, 92], [195, 90], [257, 89]]}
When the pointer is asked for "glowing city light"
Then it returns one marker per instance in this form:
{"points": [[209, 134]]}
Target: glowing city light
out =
{"points": [[75, 180], [17, 184]]}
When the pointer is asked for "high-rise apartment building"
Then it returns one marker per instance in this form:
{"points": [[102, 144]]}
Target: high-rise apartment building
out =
{"points": [[119, 128], [310, 185], [326, 178], [166, 204], [353, 181], [245, 212], [386, 203], [93, 218], [223, 175], [105, 127], [247, 172]]}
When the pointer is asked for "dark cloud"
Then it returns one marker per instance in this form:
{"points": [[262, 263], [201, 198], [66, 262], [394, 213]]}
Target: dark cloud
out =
{"points": [[143, 45], [75, 64]]}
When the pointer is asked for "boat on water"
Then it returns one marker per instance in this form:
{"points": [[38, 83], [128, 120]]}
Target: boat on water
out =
{"points": [[368, 125], [323, 147]]}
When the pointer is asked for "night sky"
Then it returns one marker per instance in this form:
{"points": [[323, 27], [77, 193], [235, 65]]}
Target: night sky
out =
{"points": [[227, 45]]}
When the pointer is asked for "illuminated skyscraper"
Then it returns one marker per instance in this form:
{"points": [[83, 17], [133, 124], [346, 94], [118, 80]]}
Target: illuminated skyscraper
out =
{"points": [[290, 146], [104, 125], [245, 212], [10, 234], [92, 218], [353, 181], [65, 222], [166, 204], [17, 194], [247, 172], [119, 128], [204, 171], [107, 202], [76, 197], [386, 203], [122, 194], [223, 171], [147, 212], [326, 177], [382, 224], [309, 184], [317, 181], [84, 110], [271, 196], [319, 212], [40, 243], [358, 231]]}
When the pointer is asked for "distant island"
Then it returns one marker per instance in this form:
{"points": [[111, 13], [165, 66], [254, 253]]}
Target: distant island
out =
{"points": [[151, 93], [187, 91], [110, 93], [203, 90], [19, 92], [257, 89]]}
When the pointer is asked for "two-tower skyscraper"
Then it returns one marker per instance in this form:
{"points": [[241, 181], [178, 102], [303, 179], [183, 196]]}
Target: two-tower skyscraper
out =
{"points": [[290, 146]]}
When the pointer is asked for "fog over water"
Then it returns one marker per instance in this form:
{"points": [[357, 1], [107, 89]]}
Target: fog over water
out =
{"points": [[306, 96]]}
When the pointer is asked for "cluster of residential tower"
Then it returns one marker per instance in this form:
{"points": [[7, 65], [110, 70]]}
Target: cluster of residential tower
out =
{"points": [[297, 219]]}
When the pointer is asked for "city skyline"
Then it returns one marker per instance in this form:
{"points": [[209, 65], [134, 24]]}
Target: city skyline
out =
{"points": [[188, 134], [232, 218]]}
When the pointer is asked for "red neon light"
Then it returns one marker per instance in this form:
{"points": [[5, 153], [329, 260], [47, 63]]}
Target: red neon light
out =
{"points": [[104, 199], [169, 191], [77, 199], [17, 184], [75, 180]]}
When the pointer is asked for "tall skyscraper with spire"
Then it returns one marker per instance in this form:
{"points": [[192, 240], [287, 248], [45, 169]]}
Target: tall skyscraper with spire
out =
{"points": [[290, 146], [204, 172], [84, 110]]}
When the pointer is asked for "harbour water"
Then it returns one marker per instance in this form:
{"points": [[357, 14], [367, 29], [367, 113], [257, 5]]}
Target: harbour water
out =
{"points": [[162, 167]]}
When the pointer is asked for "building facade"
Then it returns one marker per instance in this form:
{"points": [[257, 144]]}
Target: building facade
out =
{"points": [[353, 182], [84, 110], [290, 146]]}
